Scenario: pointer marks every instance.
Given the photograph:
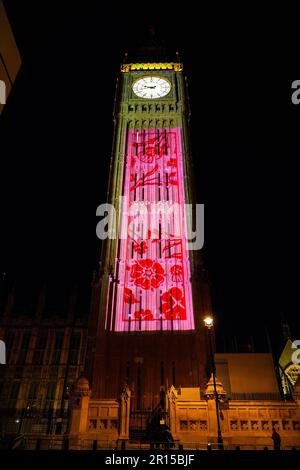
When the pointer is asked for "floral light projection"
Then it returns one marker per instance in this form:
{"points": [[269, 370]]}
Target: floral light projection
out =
{"points": [[152, 273], [147, 273]]}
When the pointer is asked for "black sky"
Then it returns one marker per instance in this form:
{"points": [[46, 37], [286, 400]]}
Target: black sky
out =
{"points": [[55, 144]]}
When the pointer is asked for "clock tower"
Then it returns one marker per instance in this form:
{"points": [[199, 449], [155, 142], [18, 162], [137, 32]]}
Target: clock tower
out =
{"points": [[152, 293]]}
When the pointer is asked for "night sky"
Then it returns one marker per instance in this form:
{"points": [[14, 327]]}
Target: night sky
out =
{"points": [[55, 143]]}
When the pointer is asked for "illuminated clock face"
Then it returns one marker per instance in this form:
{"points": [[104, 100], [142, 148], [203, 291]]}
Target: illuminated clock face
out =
{"points": [[151, 87]]}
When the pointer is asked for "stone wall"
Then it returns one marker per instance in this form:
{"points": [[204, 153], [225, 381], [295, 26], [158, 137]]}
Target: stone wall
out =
{"points": [[245, 423]]}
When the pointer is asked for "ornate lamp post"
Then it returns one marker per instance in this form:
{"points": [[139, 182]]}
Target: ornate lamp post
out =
{"points": [[209, 323]]}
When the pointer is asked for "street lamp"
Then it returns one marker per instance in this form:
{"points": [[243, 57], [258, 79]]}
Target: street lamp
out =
{"points": [[209, 323]]}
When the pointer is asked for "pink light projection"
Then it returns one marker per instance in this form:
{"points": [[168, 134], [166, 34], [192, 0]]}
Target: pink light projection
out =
{"points": [[152, 288]]}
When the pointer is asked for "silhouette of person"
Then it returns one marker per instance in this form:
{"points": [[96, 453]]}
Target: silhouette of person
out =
{"points": [[276, 439]]}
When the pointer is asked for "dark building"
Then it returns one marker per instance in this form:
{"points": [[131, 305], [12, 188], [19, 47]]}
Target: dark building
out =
{"points": [[10, 60], [45, 354]]}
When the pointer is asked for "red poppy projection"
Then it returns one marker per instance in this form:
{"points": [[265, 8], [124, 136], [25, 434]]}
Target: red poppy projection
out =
{"points": [[153, 288]]}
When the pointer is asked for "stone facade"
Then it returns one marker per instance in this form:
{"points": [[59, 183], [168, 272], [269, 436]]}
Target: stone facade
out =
{"points": [[192, 422], [248, 424]]}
